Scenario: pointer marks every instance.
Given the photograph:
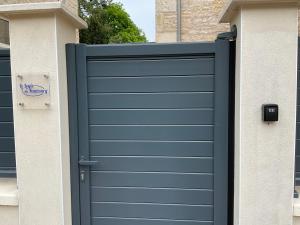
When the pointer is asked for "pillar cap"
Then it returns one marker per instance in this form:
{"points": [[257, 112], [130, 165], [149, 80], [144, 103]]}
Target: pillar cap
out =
{"points": [[232, 6], [10, 10]]}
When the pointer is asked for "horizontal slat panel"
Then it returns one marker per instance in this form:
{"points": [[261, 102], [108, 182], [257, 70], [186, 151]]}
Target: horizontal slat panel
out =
{"points": [[6, 129], [7, 144], [154, 164], [6, 114], [151, 67], [134, 221], [297, 131], [148, 101], [297, 163], [177, 212], [5, 83], [144, 148], [7, 159], [154, 180], [167, 133], [298, 147], [7, 148], [151, 84], [151, 50], [161, 196], [4, 67], [7, 172], [148, 117], [297, 179], [5, 99]]}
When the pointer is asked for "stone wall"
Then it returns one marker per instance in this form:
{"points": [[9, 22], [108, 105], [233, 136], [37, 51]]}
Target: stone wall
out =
{"points": [[199, 20]]}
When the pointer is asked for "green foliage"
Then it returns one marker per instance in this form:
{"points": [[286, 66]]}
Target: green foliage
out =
{"points": [[108, 23]]}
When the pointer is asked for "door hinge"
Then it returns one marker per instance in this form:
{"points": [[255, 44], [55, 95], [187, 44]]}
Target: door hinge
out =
{"points": [[229, 36]]}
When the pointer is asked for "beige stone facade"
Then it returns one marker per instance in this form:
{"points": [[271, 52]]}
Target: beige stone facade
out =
{"points": [[199, 20]]}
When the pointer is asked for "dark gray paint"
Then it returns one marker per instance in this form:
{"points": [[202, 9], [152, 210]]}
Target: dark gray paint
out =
{"points": [[161, 196], [155, 117], [156, 133], [150, 101], [182, 66], [153, 164], [221, 138], [153, 211], [297, 163], [165, 148], [152, 180], [151, 84], [73, 131], [137, 221], [7, 149], [163, 117]]}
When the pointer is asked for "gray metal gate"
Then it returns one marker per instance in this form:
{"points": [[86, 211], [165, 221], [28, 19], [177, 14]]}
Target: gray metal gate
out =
{"points": [[149, 133], [7, 143]]}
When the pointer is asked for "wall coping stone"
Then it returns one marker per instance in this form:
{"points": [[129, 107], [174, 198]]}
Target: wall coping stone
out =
{"points": [[232, 6], [10, 10]]}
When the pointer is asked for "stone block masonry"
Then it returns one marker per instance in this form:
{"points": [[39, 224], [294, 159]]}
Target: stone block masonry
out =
{"points": [[199, 20]]}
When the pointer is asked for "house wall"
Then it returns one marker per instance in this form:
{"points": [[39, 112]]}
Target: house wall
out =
{"points": [[199, 20]]}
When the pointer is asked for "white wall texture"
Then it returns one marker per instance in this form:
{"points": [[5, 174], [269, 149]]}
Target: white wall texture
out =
{"points": [[266, 72], [71, 4], [41, 136]]}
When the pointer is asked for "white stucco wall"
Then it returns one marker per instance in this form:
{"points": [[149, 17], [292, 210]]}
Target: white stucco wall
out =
{"points": [[9, 211], [41, 136], [266, 72], [9, 215]]}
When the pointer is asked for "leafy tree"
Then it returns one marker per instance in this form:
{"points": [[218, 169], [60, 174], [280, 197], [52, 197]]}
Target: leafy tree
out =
{"points": [[108, 23]]}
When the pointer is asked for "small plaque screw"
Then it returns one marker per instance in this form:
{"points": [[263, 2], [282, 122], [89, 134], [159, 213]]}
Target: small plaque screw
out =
{"points": [[47, 104], [21, 104], [20, 77], [46, 76]]}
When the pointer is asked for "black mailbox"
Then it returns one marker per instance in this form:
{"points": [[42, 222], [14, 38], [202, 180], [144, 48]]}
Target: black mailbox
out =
{"points": [[270, 112]]}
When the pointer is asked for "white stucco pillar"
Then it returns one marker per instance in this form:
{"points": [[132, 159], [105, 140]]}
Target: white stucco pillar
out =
{"points": [[38, 34], [266, 72]]}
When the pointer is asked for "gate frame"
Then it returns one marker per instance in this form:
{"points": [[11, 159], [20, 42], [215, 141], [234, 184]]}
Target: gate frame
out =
{"points": [[77, 74]]}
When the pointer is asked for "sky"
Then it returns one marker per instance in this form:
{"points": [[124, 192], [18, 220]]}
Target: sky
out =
{"points": [[142, 12]]}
